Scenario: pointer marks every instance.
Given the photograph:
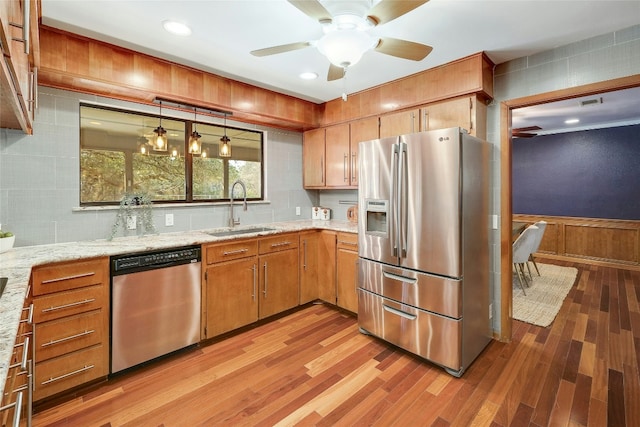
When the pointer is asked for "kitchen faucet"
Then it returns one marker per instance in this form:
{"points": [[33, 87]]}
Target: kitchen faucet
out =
{"points": [[232, 221]]}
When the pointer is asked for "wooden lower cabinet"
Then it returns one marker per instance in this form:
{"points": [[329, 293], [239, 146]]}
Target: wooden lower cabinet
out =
{"points": [[310, 242], [346, 271], [231, 295], [71, 325], [278, 266], [248, 280]]}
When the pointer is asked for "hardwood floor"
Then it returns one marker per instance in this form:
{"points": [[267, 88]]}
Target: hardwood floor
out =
{"points": [[313, 367]]}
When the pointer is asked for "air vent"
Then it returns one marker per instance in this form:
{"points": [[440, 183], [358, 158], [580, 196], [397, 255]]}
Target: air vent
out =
{"points": [[588, 102]]}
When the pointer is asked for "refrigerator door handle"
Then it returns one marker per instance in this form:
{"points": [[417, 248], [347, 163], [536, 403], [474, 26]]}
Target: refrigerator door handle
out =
{"points": [[403, 217], [399, 278], [400, 313], [393, 228]]}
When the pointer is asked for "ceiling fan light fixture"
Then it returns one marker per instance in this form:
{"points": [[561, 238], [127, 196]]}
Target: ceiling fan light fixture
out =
{"points": [[344, 48]]}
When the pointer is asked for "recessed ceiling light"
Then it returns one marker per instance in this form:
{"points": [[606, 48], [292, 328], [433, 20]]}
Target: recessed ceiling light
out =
{"points": [[571, 121], [308, 75], [177, 28]]}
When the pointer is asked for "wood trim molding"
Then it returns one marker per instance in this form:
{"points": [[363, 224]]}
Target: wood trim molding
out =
{"points": [[73, 62], [609, 241], [505, 177]]}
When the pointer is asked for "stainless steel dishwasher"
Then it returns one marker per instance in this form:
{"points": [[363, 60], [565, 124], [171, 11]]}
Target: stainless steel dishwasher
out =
{"points": [[155, 304]]}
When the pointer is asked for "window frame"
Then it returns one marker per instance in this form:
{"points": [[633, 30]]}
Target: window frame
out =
{"points": [[188, 158]]}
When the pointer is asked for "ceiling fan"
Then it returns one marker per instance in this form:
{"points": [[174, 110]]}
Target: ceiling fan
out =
{"points": [[346, 37], [525, 132]]}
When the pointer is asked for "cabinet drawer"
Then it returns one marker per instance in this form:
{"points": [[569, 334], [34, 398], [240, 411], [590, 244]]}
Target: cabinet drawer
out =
{"points": [[55, 306], [231, 250], [65, 276], [69, 334], [281, 242], [65, 372], [348, 241]]}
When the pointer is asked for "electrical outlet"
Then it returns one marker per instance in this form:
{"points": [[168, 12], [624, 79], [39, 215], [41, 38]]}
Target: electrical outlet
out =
{"points": [[168, 220], [132, 222], [298, 210]]}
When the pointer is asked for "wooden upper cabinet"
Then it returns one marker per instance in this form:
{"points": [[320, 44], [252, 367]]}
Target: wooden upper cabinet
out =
{"points": [[466, 112], [313, 158], [400, 123], [20, 57], [338, 152], [361, 130]]}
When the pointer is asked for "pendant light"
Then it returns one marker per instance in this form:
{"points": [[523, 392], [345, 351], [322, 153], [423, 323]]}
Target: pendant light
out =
{"points": [[225, 147], [194, 140], [160, 142]]}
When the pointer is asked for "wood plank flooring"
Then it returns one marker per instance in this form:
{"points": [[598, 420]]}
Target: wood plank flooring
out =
{"points": [[313, 367]]}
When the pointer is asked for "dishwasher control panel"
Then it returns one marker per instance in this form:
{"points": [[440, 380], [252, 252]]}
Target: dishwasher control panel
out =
{"points": [[143, 261]]}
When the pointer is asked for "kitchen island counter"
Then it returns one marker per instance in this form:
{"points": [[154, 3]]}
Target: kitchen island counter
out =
{"points": [[17, 263]]}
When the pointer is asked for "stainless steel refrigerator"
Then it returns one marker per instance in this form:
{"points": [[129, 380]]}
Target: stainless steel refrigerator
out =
{"points": [[423, 234]]}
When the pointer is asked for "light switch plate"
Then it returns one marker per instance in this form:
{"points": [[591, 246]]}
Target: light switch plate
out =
{"points": [[168, 220], [297, 210], [494, 222]]}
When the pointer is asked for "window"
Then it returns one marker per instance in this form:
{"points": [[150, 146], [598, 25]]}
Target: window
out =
{"points": [[117, 156]]}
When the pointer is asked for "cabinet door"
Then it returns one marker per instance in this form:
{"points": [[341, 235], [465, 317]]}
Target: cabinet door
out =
{"points": [[327, 271], [313, 158], [232, 299], [278, 282], [361, 130], [309, 253], [346, 279], [400, 123], [338, 155], [457, 112]]}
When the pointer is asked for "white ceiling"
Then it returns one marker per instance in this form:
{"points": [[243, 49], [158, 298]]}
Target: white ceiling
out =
{"points": [[225, 31]]}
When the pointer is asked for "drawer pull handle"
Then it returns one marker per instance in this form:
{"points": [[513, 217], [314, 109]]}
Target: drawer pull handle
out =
{"points": [[70, 374], [71, 337], [276, 245], [239, 251], [17, 414], [399, 312], [342, 242], [60, 279], [410, 280], [25, 354], [73, 304], [29, 318]]}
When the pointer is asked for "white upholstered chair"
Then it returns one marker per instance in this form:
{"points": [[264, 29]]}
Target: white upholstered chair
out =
{"points": [[522, 248], [542, 225]]}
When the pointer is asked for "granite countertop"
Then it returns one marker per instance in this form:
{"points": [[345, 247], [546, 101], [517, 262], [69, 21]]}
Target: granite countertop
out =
{"points": [[16, 264]]}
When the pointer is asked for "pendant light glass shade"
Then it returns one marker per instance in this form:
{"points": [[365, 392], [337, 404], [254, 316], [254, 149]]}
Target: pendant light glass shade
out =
{"points": [[194, 140], [225, 147], [160, 143]]}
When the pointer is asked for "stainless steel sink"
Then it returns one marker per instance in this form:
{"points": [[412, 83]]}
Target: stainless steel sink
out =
{"points": [[234, 232]]}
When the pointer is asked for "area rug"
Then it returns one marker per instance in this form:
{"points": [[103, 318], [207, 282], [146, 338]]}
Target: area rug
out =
{"points": [[544, 296]]}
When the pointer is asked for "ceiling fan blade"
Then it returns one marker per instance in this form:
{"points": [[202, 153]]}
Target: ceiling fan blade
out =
{"points": [[280, 49], [312, 8], [335, 73], [403, 48], [526, 129], [524, 132], [388, 10]]}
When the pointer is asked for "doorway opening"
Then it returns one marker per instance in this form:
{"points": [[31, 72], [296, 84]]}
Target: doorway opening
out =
{"points": [[506, 212]]}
